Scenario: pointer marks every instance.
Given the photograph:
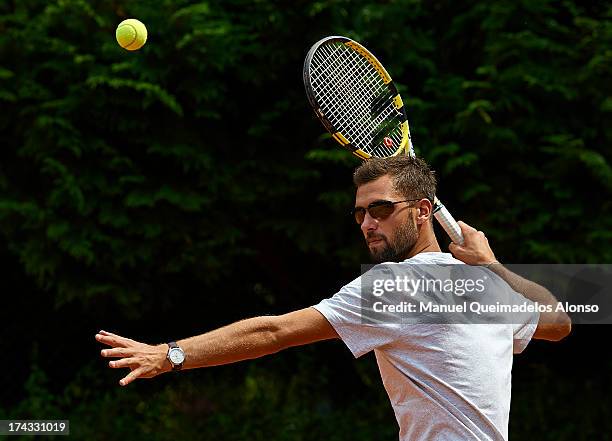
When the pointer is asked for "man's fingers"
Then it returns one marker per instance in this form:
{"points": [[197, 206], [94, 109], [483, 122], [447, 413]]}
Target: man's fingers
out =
{"points": [[110, 334], [458, 250], [108, 340], [113, 340], [454, 248], [116, 352], [131, 377], [125, 339], [124, 348], [123, 363], [465, 228]]}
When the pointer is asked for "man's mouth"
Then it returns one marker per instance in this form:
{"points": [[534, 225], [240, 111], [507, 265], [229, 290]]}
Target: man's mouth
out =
{"points": [[375, 240]]}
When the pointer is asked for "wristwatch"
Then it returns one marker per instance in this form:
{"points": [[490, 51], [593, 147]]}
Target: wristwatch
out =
{"points": [[176, 356]]}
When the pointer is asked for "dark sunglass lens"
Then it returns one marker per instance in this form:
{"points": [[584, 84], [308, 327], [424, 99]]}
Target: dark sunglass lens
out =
{"points": [[359, 215], [382, 211]]}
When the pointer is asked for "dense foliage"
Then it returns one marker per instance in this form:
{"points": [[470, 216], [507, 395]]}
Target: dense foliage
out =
{"points": [[171, 190]]}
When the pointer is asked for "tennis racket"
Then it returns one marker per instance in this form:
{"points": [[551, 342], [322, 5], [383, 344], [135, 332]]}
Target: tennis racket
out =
{"points": [[355, 98]]}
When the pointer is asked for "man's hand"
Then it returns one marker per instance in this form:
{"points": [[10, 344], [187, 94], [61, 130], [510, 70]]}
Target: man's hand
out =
{"points": [[475, 249], [145, 361]]}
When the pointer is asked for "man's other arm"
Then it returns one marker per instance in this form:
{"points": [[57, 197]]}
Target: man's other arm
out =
{"points": [[552, 325]]}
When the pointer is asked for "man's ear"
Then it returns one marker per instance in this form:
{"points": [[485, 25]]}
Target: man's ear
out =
{"points": [[425, 211]]}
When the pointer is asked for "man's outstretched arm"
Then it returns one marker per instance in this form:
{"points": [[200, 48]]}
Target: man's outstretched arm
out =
{"points": [[243, 340], [476, 251]]}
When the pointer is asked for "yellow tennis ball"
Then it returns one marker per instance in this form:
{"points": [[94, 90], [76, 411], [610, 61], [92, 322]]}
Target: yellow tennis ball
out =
{"points": [[131, 34]]}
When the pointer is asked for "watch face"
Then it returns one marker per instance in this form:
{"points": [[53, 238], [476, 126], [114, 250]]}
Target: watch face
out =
{"points": [[176, 356]]}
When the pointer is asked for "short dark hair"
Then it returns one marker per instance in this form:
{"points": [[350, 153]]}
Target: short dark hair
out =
{"points": [[412, 177]]}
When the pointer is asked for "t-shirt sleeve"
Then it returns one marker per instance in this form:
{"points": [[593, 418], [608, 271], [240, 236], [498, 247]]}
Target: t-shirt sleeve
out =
{"points": [[524, 320], [523, 332], [524, 324], [344, 312]]}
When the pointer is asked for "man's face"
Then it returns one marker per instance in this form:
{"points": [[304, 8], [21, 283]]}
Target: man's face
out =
{"points": [[390, 239]]}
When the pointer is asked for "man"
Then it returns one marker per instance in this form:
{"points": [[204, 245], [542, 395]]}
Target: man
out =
{"points": [[445, 381]]}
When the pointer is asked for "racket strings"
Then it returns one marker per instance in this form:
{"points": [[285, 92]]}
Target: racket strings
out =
{"points": [[336, 93], [356, 106], [355, 99], [379, 105], [339, 100]]}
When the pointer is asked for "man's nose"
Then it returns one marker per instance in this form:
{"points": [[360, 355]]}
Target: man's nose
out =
{"points": [[369, 223]]}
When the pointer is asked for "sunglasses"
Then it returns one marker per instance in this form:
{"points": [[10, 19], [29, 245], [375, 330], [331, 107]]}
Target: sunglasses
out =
{"points": [[378, 210]]}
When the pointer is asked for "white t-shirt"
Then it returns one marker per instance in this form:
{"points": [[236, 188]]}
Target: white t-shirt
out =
{"points": [[445, 381]]}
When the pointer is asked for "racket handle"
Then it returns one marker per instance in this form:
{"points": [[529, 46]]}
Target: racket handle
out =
{"points": [[448, 222]]}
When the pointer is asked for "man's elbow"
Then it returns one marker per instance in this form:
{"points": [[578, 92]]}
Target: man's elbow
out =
{"points": [[566, 326], [561, 328], [553, 327]]}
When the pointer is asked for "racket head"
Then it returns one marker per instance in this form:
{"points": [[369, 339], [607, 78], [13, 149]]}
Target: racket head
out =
{"points": [[354, 97]]}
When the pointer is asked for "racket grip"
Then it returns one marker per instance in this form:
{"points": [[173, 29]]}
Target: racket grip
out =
{"points": [[448, 222]]}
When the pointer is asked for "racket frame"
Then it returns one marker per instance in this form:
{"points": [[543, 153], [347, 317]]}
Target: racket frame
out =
{"points": [[380, 69]]}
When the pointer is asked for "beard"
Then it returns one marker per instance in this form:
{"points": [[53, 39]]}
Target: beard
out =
{"points": [[396, 249]]}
